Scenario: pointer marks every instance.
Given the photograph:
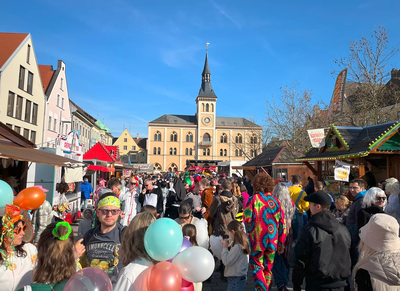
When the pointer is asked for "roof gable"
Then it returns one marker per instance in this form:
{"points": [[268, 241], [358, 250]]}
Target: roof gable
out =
{"points": [[46, 73], [100, 152], [125, 134], [9, 44], [265, 158]]}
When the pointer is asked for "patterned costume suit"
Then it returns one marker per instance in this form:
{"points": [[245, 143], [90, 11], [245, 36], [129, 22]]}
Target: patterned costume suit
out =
{"points": [[267, 233]]}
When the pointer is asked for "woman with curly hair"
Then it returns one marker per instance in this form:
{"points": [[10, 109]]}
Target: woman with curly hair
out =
{"points": [[55, 259], [267, 229], [16, 257], [133, 253]]}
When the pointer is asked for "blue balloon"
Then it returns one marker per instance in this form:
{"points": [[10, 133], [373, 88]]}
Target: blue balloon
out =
{"points": [[6, 194], [163, 239]]}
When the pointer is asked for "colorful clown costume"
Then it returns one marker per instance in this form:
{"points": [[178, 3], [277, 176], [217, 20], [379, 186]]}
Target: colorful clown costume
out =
{"points": [[267, 233]]}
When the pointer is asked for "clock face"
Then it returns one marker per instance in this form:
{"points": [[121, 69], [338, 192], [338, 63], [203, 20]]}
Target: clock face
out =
{"points": [[207, 120]]}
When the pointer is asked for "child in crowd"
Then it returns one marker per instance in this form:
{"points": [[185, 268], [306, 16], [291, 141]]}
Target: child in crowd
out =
{"points": [[236, 260], [189, 231], [86, 224], [342, 208]]}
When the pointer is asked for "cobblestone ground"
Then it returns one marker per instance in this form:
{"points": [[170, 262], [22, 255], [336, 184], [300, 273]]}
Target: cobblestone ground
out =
{"points": [[216, 284]]}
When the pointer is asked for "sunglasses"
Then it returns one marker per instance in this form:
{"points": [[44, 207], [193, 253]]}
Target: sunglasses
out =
{"points": [[381, 198], [19, 229], [132, 183], [184, 217], [146, 185], [107, 211]]}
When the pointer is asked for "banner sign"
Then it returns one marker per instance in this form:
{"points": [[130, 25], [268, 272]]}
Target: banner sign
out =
{"points": [[317, 137], [126, 173], [66, 144], [342, 171], [143, 167], [336, 106]]}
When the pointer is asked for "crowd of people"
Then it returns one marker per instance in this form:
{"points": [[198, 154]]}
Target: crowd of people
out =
{"points": [[331, 242]]}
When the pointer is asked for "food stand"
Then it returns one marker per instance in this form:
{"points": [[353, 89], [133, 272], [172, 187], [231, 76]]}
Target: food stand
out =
{"points": [[373, 148]]}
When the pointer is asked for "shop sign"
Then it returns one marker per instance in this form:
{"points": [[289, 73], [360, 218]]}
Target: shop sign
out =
{"points": [[126, 173], [317, 137], [342, 171], [143, 167], [70, 143]]}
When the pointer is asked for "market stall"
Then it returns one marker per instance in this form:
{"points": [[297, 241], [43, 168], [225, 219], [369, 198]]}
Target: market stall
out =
{"points": [[371, 151]]}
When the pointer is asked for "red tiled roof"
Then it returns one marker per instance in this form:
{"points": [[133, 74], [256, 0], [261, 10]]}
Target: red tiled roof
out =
{"points": [[46, 73], [141, 142], [9, 43]]}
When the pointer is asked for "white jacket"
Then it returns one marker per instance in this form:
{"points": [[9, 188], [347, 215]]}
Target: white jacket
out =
{"points": [[128, 275], [131, 205], [384, 270]]}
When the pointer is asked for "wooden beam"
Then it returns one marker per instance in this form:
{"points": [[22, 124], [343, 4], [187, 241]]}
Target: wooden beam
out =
{"points": [[383, 141], [387, 168], [315, 172]]}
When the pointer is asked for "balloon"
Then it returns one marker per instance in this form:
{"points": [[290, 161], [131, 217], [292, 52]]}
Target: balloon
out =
{"points": [[185, 244], [187, 286], [216, 246], [163, 239], [165, 277], [6, 194], [89, 279], [30, 198], [142, 281], [196, 264]]}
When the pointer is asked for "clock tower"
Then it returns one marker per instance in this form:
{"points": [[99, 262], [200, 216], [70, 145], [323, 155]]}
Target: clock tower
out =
{"points": [[206, 117]]}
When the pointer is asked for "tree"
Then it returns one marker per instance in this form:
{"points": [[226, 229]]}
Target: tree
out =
{"points": [[372, 100], [289, 117]]}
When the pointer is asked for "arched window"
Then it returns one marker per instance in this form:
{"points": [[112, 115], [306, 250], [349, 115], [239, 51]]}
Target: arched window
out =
{"points": [[157, 136], [174, 167], [174, 136], [251, 153], [255, 140], [221, 152], [189, 137], [170, 151], [206, 137], [187, 151], [208, 152], [212, 107], [224, 138], [204, 152], [207, 107], [157, 167], [224, 153], [202, 105], [239, 138], [159, 151], [174, 151], [240, 153], [236, 153], [191, 152], [155, 151]]}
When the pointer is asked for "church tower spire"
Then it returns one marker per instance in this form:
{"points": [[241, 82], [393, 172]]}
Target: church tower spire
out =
{"points": [[206, 89]]}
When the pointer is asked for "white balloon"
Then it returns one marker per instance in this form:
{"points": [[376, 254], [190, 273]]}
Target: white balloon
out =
{"points": [[196, 264], [216, 246], [202, 233]]}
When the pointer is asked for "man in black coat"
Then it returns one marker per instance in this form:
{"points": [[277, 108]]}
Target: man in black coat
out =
{"points": [[322, 249]]}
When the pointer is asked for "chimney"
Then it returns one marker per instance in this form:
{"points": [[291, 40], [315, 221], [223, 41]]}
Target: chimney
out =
{"points": [[137, 136]]}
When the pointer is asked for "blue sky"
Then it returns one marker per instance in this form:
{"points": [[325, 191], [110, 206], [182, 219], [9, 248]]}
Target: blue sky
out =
{"points": [[129, 62]]}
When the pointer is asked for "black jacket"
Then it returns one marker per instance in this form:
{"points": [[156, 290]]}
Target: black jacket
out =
{"points": [[365, 214], [179, 189], [322, 253], [157, 191]]}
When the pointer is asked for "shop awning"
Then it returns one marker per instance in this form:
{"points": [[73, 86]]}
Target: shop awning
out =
{"points": [[100, 168], [33, 155]]}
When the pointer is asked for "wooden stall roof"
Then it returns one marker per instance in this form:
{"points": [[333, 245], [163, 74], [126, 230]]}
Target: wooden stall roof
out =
{"points": [[358, 142]]}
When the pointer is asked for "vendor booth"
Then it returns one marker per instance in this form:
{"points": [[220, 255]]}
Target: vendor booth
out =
{"points": [[371, 152], [280, 162]]}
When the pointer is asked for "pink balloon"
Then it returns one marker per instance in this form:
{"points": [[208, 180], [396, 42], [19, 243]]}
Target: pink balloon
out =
{"points": [[89, 279], [185, 244], [187, 286]]}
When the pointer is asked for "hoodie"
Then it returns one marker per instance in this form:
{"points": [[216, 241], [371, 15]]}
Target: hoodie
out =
{"points": [[223, 210], [86, 190], [322, 253], [86, 224]]}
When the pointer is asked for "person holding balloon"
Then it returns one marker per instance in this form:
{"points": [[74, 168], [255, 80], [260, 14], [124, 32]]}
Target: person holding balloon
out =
{"points": [[133, 253]]}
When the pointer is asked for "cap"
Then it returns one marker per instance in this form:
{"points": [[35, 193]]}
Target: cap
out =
{"points": [[319, 197]]}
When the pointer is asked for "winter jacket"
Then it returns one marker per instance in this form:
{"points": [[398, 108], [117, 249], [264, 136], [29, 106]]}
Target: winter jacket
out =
{"points": [[365, 214], [223, 210], [86, 224], [381, 271], [341, 215], [41, 219], [159, 194], [351, 222], [86, 190], [131, 205], [207, 198], [179, 189], [322, 253]]}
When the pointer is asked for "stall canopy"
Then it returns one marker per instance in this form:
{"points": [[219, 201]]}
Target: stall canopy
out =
{"points": [[101, 168], [351, 142], [102, 153]]}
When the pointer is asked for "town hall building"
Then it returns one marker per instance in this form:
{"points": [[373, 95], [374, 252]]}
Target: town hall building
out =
{"points": [[204, 139]]}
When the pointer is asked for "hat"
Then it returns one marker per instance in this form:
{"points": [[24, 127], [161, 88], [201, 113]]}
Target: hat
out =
{"points": [[213, 173], [381, 233], [319, 197], [41, 188]]}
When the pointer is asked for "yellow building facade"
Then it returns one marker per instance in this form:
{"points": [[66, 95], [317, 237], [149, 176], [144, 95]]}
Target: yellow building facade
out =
{"points": [[204, 139]]}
